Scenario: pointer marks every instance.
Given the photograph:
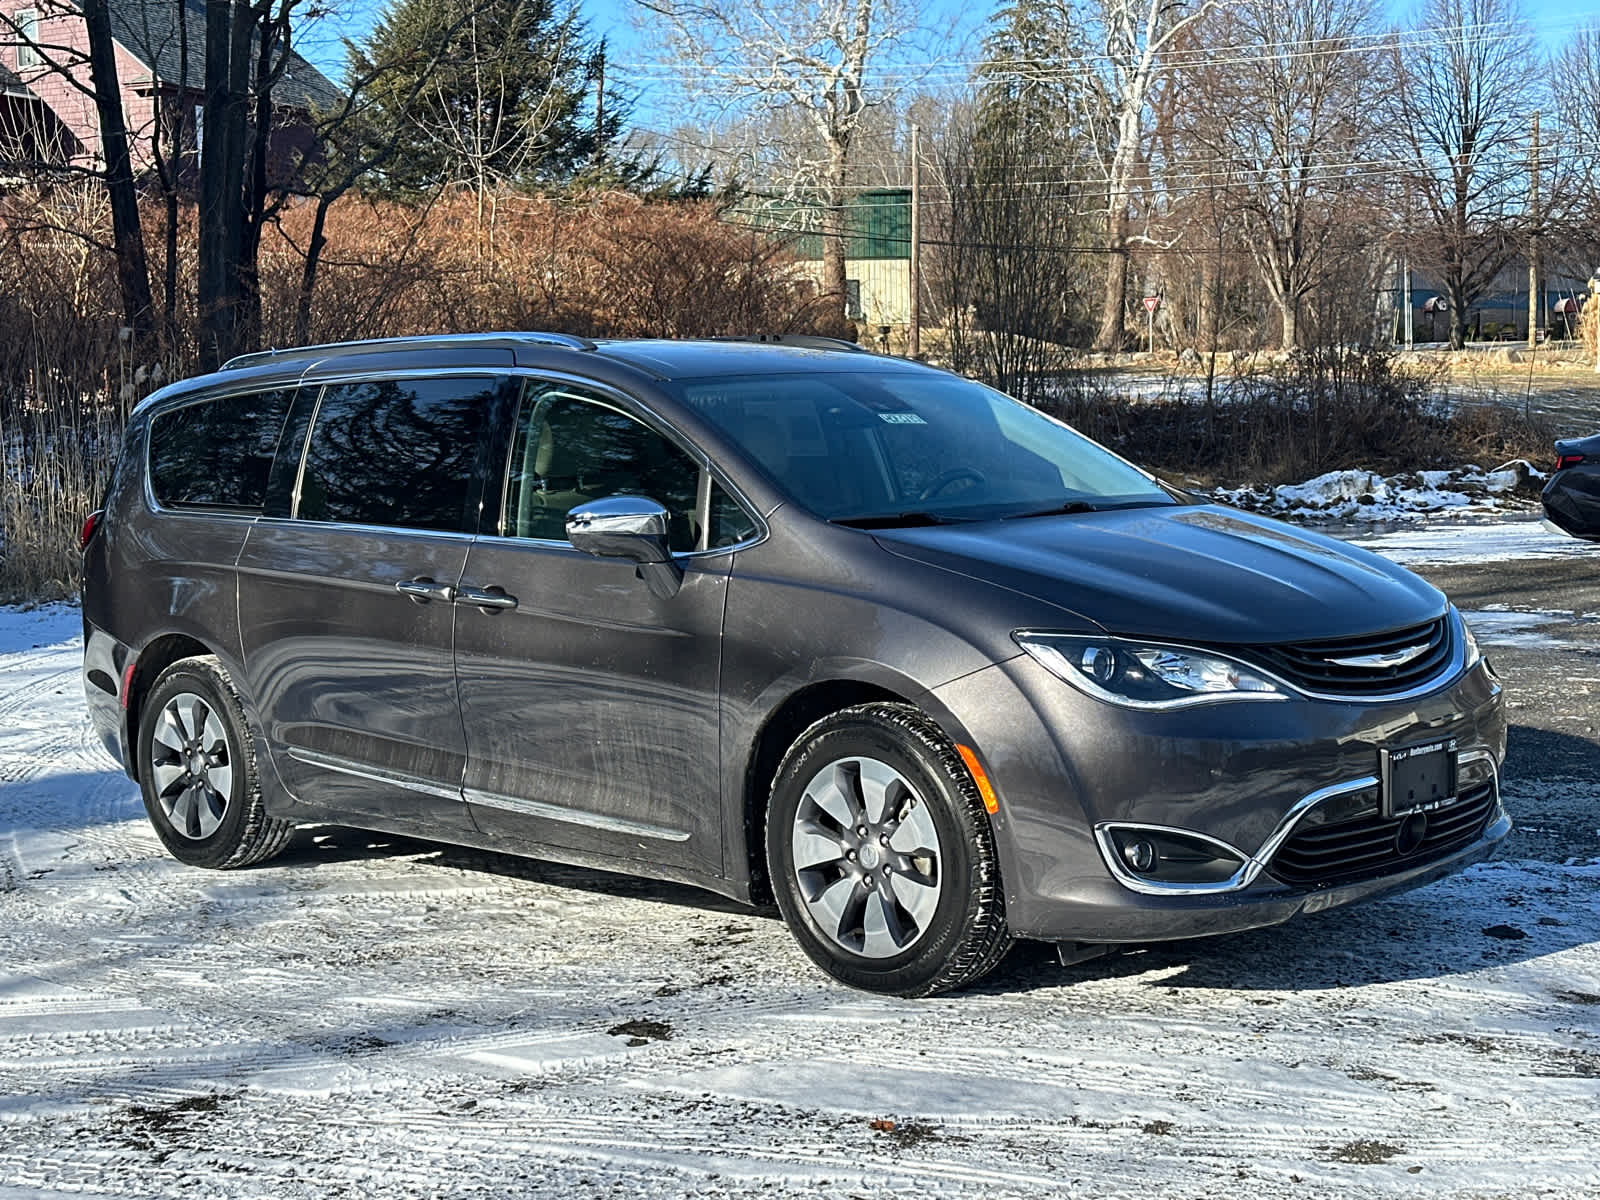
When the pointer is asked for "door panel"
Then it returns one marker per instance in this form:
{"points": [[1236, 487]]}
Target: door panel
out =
{"points": [[355, 681], [591, 707], [345, 599]]}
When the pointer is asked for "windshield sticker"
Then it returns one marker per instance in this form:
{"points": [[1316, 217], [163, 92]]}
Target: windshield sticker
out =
{"points": [[902, 418]]}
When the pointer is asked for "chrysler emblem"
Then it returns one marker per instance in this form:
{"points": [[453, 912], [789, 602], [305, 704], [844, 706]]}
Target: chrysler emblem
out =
{"points": [[1396, 658]]}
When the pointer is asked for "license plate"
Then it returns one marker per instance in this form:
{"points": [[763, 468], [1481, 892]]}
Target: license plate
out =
{"points": [[1417, 778]]}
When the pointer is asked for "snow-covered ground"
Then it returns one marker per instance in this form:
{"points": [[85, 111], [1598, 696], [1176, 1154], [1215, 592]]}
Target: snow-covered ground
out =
{"points": [[374, 1017], [1522, 541]]}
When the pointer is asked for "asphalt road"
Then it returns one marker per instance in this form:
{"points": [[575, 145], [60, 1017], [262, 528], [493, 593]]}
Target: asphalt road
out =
{"points": [[1550, 663]]}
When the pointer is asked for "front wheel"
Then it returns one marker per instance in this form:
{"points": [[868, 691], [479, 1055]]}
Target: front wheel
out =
{"points": [[881, 854], [197, 770]]}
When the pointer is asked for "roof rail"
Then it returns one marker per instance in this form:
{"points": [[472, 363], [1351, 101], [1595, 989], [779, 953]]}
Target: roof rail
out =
{"points": [[568, 340], [808, 341]]}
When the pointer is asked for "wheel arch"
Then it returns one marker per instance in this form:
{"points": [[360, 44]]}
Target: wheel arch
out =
{"points": [[157, 655], [798, 712]]}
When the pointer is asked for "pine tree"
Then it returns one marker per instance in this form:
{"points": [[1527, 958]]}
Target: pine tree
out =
{"points": [[511, 100]]}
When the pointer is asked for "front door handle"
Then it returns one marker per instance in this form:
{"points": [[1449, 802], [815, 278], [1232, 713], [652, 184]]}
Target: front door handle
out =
{"points": [[489, 599], [424, 589]]}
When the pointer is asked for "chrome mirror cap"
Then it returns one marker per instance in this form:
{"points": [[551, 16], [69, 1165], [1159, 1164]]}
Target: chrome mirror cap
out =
{"points": [[630, 527]]}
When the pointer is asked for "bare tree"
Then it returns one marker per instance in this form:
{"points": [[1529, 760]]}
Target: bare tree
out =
{"points": [[1461, 105], [1287, 109], [1572, 191], [1125, 55], [1008, 272], [814, 57]]}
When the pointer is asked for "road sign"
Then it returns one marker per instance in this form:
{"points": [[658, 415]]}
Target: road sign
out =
{"points": [[1151, 303]]}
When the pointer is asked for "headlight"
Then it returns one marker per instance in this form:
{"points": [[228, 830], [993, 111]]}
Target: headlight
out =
{"points": [[1147, 675], [1473, 652]]}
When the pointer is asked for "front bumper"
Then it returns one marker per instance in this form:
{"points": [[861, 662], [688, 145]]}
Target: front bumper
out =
{"points": [[1066, 767]]}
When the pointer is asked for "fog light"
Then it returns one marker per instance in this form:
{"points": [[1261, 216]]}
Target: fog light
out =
{"points": [[1141, 856]]}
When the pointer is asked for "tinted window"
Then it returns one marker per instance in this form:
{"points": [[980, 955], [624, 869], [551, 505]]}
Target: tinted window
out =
{"points": [[216, 453], [571, 447], [860, 445], [730, 524], [395, 452]]}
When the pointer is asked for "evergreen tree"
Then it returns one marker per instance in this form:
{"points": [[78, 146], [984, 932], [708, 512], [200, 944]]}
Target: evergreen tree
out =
{"points": [[514, 99]]}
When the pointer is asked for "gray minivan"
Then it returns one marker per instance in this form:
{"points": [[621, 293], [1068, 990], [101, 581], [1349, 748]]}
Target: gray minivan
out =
{"points": [[786, 621]]}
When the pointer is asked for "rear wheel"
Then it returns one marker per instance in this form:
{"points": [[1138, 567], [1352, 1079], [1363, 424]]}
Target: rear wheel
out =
{"points": [[197, 770], [881, 854]]}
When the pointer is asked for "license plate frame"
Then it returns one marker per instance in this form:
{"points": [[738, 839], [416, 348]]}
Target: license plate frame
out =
{"points": [[1418, 778]]}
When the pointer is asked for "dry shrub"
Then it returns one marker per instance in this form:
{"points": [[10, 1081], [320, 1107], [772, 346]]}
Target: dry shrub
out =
{"points": [[1329, 409], [64, 382], [608, 266]]}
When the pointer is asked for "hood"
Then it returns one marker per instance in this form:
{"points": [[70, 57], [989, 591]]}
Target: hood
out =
{"points": [[1185, 573]]}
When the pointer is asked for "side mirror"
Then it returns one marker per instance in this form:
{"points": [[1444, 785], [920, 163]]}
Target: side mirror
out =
{"points": [[633, 528]]}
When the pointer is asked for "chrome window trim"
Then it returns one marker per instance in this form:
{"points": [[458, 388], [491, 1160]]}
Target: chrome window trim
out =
{"points": [[352, 527], [346, 766], [572, 816], [1252, 865]]}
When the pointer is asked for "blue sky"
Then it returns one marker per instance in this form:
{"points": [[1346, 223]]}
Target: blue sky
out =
{"points": [[616, 20]]}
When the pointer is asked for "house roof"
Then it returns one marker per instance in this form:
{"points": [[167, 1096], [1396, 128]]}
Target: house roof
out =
{"points": [[151, 31], [11, 85]]}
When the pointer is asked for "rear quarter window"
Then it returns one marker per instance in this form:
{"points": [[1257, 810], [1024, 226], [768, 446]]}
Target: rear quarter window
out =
{"points": [[216, 453]]}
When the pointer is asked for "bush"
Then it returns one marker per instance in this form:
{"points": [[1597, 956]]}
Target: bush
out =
{"points": [[1324, 410]]}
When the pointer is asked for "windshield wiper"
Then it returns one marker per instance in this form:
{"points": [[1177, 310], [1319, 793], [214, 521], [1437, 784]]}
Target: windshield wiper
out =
{"points": [[896, 520], [1068, 507]]}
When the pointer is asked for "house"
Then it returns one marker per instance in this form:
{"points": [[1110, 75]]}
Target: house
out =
{"points": [[1499, 314], [877, 263], [47, 114]]}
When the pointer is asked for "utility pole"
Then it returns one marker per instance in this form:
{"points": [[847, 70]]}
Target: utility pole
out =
{"points": [[1533, 237], [1405, 270], [914, 318], [600, 105]]}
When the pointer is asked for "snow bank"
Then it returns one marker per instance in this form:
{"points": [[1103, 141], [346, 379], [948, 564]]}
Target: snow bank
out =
{"points": [[1366, 496]]}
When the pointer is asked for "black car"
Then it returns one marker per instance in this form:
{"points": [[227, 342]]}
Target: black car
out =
{"points": [[926, 666], [1571, 498]]}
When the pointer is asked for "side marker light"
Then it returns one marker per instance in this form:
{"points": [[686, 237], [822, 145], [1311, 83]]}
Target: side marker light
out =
{"points": [[985, 788]]}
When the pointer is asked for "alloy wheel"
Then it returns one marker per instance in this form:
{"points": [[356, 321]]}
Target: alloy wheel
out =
{"points": [[191, 764], [866, 857]]}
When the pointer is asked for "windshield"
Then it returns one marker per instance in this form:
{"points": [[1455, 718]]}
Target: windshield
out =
{"points": [[879, 448]]}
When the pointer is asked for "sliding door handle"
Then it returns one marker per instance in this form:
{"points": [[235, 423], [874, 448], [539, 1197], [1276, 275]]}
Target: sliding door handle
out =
{"points": [[424, 589], [489, 599]]}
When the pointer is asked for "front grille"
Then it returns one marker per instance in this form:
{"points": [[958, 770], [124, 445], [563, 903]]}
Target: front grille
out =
{"points": [[1311, 665], [1369, 845]]}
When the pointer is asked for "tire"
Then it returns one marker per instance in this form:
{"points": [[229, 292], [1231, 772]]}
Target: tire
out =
{"points": [[913, 908], [197, 770]]}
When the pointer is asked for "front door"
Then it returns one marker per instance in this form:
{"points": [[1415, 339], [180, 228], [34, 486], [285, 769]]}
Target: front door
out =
{"points": [[591, 705], [345, 601]]}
